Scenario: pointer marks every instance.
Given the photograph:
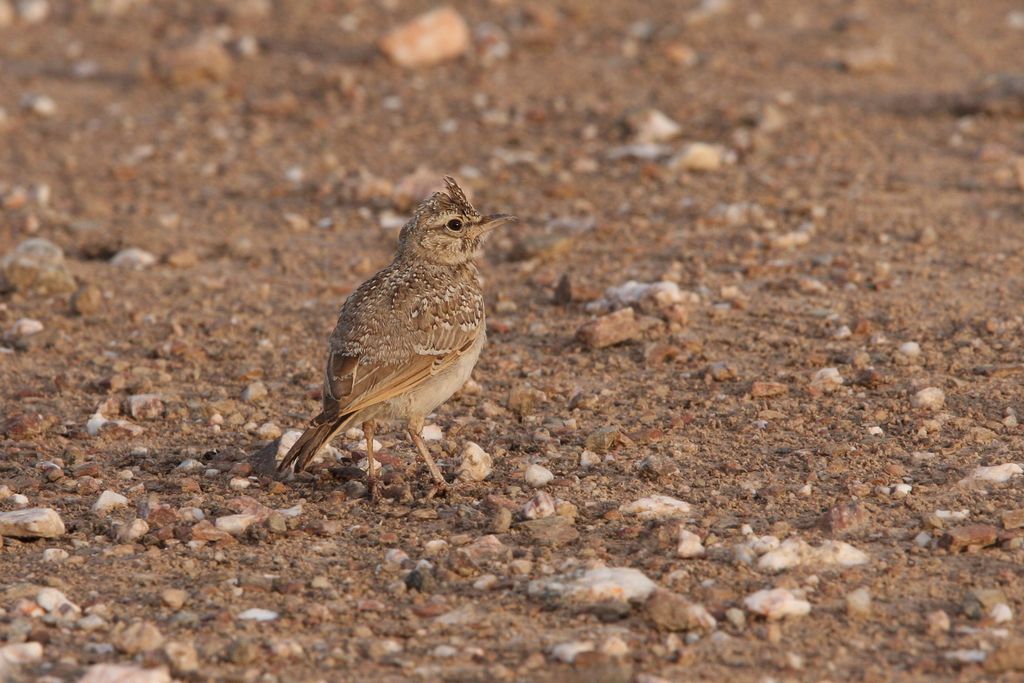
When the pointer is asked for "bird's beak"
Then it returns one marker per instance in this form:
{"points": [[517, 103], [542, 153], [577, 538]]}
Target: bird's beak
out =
{"points": [[488, 223]]}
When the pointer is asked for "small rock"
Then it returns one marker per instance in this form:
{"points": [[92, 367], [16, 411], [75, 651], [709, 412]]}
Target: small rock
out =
{"points": [[601, 440], [656, 507], [698, 156], [257, 614], [203, 60], [145, 406], [1009, 654], [182, 657], [795, 552], [767, 389], [36, 265], [1000, 613], [141, 636], [540, 506], [236, 524], [776, 603], [608, 330], [436, 36], [129, 532], [931, 398], [672, 612], [133, 258], [31, 523], [652, 126], [826, 381], [567, 652], [56, 603], [109, 500], [971, 535], [124, 673], [592, 586], [553, 531], [996, 474], [501, 521], [690, 545], [40, 105], [910, 350], [872, 58], [476, 463], [88, 300], [15, 654], [24, 327], [268, 430], [175, 598], [938, 623], [538, 476], [1013, 519], [844, 518], [257, 391], [858, 603], [55, 555]]}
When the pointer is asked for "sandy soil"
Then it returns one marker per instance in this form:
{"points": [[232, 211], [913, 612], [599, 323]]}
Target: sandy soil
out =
{"points": [[869, 193]]}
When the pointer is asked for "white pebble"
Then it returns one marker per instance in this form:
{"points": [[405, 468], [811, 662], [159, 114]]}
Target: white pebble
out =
{"points": [[910, 349], [239, 483], [540, 506], [25, 327], [698, 156], [109, 500], [902, 490], [567, 652], [40, 105], [858, 602], [134, 258], [656, 507], [776, 603], [55, 555], [432, 433], [538, 476], [689, 545], [996, 474], [827, 380], [257, 614], [930, 398], [1001, 613], [589, 459], [476, 464]]}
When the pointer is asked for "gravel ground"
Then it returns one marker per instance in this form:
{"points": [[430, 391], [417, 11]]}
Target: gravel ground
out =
{"points": [[749, 406]]}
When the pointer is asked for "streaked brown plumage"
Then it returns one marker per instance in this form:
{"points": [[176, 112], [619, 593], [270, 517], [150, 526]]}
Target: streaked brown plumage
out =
{"points": [[408, 337]]}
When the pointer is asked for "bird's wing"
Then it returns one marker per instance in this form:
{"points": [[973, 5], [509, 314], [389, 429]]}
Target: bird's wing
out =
{"points": [[435, 335]]}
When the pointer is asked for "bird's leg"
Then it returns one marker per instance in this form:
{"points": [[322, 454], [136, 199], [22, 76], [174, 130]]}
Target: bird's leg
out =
{"points": [[435, 473], [371, 463]]}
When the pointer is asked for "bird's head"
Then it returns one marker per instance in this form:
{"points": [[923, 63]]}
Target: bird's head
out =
{"points": [[446, 229]]}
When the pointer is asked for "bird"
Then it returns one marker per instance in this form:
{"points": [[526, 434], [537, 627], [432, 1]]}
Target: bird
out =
{"points": [[409, 337]]}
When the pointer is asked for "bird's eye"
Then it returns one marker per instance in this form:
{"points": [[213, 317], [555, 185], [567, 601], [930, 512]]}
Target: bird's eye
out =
{"points": [[454, 225]]}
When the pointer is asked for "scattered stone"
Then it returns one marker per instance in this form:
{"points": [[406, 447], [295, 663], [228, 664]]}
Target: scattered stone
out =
{"points": [[593, 586], [268, 430], [601, 440], [236, 524], [776, 603], [203, 60], [795, 552], [31, 523], [40, 105], [656, 507], [124, 673], [608, 330], [931, 398], [910, 350], [257, 614], [969, 536], [56, 603], [129, 532], [698, 156], [672, 612], [538, 476], [140, 636], [966, 656], [182, 657], [175, 598], [1009, 653], [13, 655], [844, 518], [133, 258], [436, 36], [109, 500], [997, 474], [36, 265], [145, 406], [476, 463], [567, 652], [553, 531], [55, 555], [858, 603], [690, 545], [826, 381], [501, 521], [24, 327], [88, 300], [938, 623], [767, 389], [1013, 519], [652, 126], [540, 506], [865, 59], [1000, 613], [257, 391]]}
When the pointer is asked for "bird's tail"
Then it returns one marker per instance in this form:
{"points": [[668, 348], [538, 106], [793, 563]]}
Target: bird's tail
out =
{"points": [[322, 429]]}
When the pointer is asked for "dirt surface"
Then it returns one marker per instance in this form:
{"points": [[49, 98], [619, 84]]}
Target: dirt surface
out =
{"points": [[863, 188]]}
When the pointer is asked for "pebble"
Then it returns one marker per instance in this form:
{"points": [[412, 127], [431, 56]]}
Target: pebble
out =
{"points": [[930, 398], [257, 391], [145, 406], [776, 603], [971, 535], [538, 476], [858, 602], [31, 523], [436, 36], [202, 60], [24, 327], [55, 602], [55, 555], [540, 506], [938, 623], [475, 464], [182, 656], [236, 524], [1013, 519], [608, 330], [996, 474], [594, 586], [690, 545], [910, 350], [133, 258], [614, 646], [567, 652], [40, 105], [124, 673], [432, 433], [656, 507], [257, 614], [652, 126], [698, 156], [37, 265], [268, 430], [132, 531], [109, 500], [138, 637], [1000, 613], [796, 552], [175, 598], [826, 381], [33, 11], [15, 654], [589, 459], [673, 612]]}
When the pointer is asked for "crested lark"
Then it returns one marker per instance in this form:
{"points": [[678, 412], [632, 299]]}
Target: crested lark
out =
{"points": [[408, 337]]}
